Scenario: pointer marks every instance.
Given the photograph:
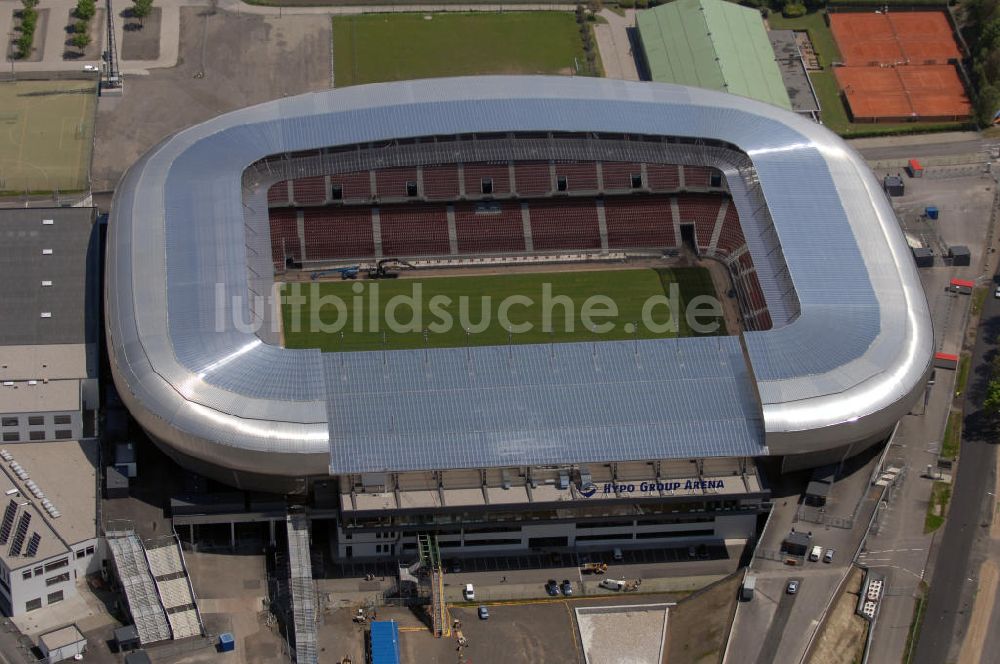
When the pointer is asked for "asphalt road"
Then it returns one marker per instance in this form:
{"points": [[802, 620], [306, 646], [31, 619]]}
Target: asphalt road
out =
{"points": [[769, 649], [951, 594]]}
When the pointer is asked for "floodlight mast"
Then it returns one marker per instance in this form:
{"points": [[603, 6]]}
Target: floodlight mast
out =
{"points": [[112, 75]]}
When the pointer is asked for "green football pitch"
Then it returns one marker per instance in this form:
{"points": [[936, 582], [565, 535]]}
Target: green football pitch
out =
{"points": [[398, 47], [46, 135], [497, 309]]}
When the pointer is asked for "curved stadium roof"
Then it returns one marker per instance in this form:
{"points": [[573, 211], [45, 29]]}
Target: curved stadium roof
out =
{"points": [[841, 368]]}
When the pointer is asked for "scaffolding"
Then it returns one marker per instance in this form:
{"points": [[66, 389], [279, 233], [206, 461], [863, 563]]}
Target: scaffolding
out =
{"points": [[303, 590], [430, 559]]}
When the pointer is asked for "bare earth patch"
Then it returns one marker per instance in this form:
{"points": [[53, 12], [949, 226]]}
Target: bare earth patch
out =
{"points": [[142, 38], [842, 637]]}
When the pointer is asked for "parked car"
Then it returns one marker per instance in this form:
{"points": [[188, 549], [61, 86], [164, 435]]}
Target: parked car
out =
{"points": [[484, 613], [90, 68], [567, 587], [617, 554], [613, 584], [551, 587], [692, 552], [828, 556], [996, 293], [792, 587], [816, 553], [469, 592]]}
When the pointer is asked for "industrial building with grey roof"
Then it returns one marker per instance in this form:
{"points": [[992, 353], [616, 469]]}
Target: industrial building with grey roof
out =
{"points": [[49, 297], [846, 354]]}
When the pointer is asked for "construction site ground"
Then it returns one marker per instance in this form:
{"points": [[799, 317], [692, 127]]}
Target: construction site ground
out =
{"points": [[699, 625], [842, 639], [542, 630]]}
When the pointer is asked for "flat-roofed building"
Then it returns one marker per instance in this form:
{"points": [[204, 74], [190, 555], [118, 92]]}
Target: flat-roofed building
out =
{"points": [[48, 522], [48, 324]]}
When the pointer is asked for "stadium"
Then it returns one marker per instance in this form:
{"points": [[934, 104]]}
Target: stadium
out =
{"points": [[833, 344]]}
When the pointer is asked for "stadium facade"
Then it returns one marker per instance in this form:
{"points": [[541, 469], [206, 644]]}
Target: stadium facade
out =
{"points": [[836, 351]]}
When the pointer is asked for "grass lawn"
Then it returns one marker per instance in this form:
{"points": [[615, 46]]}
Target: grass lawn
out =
{"points": [[832, 109], [940, 495], [396, 47], [952, 436], [46, 134], [348, 312], [819, 33]]}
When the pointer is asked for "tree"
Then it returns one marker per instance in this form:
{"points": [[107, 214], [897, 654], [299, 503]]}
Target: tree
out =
{"points": [[85, 9], [991, 404], [141, 9], [29, 4], [81, 38], [987, 103]]}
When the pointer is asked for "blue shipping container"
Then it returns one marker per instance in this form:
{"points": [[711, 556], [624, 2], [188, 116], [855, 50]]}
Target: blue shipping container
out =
{"points": [[385, 642], [226, 642]]}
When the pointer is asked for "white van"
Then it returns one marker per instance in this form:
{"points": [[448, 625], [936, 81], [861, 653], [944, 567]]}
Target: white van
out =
{"points": [[815, 554], [613, 584], [469, 592]]}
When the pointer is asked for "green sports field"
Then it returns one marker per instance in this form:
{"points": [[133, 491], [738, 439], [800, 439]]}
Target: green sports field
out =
{"points": [[397, 47], [537, 308], [46, 135]]}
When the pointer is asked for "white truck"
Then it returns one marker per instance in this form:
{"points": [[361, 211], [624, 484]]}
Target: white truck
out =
{"points": [[816, 553]]}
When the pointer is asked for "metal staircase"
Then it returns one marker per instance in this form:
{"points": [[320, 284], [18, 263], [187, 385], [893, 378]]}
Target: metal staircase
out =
{"points": [[302, 588], [430, 558]]}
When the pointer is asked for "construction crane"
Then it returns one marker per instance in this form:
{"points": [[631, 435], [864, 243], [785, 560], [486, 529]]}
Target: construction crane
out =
{"points": [[350, 272]]}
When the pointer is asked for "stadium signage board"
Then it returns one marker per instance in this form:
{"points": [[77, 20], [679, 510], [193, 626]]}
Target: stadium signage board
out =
{"points": [[652, 486]]}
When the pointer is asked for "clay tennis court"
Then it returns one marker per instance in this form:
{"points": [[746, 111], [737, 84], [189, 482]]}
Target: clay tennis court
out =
{"points": [[899, 94], [914, 38]]}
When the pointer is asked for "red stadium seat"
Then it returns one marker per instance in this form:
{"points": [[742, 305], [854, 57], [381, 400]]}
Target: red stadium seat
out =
{"points": [[414, 230], [663, 177], [278, 194], [498, 174], [532, 179], [703, 211], [309, 191], [487, 228], [564, 224], [391, 182], [617, 176], [440, 182], [644, 221], [579, 176], [338, 232], [284, 236]]}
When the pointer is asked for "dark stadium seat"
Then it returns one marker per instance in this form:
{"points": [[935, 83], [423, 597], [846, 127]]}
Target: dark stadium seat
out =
{"points": [[639, 221], [338, 232], [532, 179], [490, 227], [309, 191], [565, 224], [440, 183], [414, 230]]}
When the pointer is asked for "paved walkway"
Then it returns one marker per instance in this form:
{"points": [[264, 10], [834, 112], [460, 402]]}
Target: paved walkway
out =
{"points": [[615, 46], [55, 34]]}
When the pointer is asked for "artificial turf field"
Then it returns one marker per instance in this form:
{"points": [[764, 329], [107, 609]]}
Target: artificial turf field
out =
{"points": [[629, 289], [398, 47], [46, 135]]}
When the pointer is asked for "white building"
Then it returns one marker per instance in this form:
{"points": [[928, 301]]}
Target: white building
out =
{"points": [[48, 522]]}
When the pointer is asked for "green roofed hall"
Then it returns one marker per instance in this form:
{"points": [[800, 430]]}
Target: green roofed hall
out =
{"points": [[711, 44]]}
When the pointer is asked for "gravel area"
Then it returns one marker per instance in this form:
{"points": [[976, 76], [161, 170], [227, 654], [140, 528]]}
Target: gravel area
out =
{"points": [[623, 634]]}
